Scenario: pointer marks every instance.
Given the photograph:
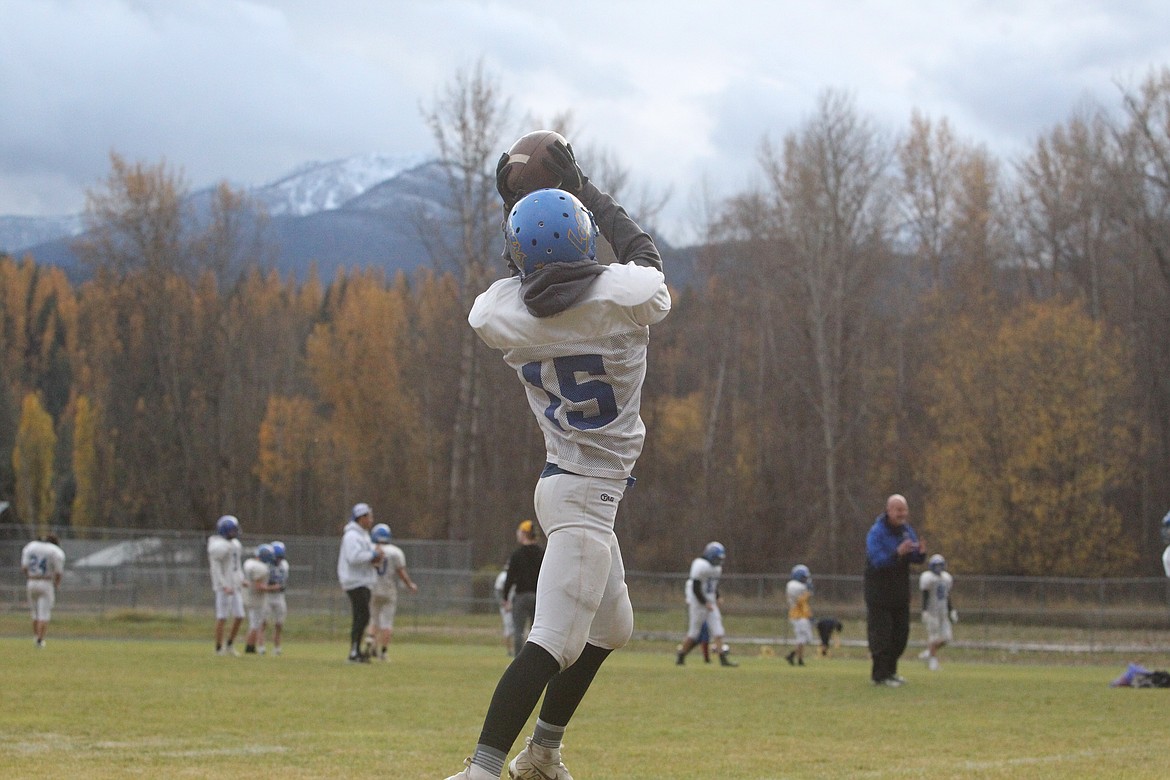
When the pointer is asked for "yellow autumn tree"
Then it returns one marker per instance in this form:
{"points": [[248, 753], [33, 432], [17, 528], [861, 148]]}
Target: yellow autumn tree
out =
{"points": [[85, 509], [355, 362], [1033, 436], [287, 434], [32, 463]]}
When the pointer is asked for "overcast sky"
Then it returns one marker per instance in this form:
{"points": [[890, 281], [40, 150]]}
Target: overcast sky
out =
{"points": [[682, 92]]}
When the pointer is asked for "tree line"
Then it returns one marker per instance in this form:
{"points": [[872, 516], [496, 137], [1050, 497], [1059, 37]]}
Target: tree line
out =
{"points": [[883, 312]]}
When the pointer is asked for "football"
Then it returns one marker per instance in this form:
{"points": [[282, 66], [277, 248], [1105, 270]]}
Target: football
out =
{"points": [[524, 169]]}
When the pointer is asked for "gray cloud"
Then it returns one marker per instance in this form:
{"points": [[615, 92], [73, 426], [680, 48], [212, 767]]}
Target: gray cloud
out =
{"points": [[682, 91]]}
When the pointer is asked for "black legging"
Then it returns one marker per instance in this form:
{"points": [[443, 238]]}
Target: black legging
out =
{"points": [[359, 599]]}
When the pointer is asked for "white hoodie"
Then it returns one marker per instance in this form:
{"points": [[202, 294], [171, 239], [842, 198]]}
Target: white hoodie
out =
{"points": [[354, 559]]}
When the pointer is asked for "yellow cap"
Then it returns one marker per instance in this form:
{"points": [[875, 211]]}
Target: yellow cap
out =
{"points": [[525, 527]]}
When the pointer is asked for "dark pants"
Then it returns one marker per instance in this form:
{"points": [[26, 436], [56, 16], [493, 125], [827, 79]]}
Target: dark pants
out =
{"points": [[359, 600], [888, 629], [523, 615]]}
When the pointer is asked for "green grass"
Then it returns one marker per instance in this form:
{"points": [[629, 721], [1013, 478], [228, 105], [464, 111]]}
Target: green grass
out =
{"points": [[103, 708]]}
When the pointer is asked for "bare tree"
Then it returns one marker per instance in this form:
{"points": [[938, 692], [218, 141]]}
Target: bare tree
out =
{"points": [[831, 194], [467, 121]]}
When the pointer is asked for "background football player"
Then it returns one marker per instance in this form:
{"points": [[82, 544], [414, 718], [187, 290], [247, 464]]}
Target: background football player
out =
{"points": [[798, 591], [42, 561], [938, 612], [224, 554], [702, 597]]}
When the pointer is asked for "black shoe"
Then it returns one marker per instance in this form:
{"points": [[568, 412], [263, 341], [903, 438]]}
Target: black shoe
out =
{"points": [[681, 659], [791, 658], [800, 662], [724, 661]]}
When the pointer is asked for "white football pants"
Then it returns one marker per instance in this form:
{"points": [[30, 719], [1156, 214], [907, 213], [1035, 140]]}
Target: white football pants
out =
{"points": [[581, 595]]}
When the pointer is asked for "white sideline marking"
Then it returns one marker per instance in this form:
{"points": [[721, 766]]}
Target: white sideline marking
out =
{"points": [[45, 743]]}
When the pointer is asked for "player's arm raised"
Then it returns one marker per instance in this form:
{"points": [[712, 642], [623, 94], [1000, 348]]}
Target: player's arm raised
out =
{"points": [[630, 243]]}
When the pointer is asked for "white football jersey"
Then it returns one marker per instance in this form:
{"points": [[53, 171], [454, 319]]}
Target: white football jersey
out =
{"points": [[42, 559], [707, 574], [1166, 561], [582, 369], [387, 570], [797, 595], [278, 575], [224, 556], [255, 573], [938, 590]]}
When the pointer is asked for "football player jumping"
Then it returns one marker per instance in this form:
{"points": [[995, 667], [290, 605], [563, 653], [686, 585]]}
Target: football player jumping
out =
{"points": [[576, 333]]}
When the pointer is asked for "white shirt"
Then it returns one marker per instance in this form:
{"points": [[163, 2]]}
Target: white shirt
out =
{"points": [[224, 556], [582, 369], [42, 560], [1166, 561], [386, 583], [707, 574], [354, 558], [938, 590]]}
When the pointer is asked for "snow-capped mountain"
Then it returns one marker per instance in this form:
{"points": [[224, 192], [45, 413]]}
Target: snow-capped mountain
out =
{"points": [[324, 186], [20, 232]]}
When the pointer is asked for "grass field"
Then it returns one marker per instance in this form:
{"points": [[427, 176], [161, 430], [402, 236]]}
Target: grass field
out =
{"points": [[153, 707]]}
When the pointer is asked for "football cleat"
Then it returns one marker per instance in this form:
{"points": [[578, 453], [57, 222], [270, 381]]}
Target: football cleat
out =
{"points": [[538, 763]]}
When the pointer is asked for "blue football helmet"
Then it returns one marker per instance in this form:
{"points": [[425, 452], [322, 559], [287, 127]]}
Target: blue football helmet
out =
{"points": [[937, 563], [801, 573], [714, 553], [278, 550], [265, 554], [1166, 528], [549, 226], [228, 527], [380, 533]]}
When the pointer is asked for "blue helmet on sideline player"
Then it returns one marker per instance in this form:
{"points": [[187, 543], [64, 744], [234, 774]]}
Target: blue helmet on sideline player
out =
{"points": [[228, 527], [380, 533], [1166, 528], [714, 553], [278, 551], [801, 573], [937, 563], [549, 226], [264, 553]]}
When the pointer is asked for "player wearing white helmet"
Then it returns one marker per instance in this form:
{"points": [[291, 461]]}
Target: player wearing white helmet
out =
{"points": [[702, 598], [576, 333], [384, 593], [938, 611], [798, 592], [42, 561], [224, 554], [277, 603]]}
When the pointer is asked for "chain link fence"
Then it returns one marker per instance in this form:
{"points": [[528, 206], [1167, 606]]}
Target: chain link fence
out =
{"points": [[167, 572]]}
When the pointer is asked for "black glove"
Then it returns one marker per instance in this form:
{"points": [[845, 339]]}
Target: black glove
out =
{"points": [[561, 162], [502, 187]]}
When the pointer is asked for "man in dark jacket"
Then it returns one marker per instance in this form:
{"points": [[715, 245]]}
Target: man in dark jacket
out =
{"points": [[523, 572], [890, 547]]}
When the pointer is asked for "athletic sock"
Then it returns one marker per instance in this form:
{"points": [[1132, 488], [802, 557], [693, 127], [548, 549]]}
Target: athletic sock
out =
{"points": [[490, 759], [547, 735]]}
